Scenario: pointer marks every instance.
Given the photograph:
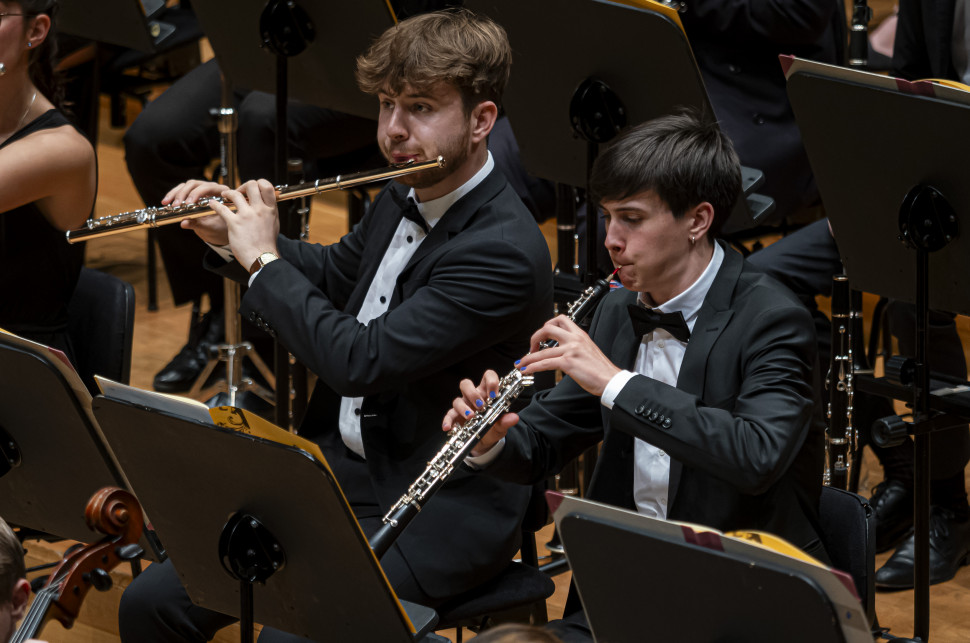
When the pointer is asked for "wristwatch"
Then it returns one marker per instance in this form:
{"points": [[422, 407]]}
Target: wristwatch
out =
{"points": [[261, 261]]}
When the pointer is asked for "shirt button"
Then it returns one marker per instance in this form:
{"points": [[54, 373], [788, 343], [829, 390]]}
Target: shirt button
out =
{"points": [[383, 299], [660, 344], [356, 411], [663, 501], [410, 239], [661, 453], [758, 119]]}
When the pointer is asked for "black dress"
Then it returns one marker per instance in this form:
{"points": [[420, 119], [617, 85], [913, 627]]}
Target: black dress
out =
{"points": [[40, 269]]}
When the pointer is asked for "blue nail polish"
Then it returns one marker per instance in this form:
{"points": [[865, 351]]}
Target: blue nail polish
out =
{"points": [[467, 413], [492, 395], [517, 362], [523, 369], [479, 403]]}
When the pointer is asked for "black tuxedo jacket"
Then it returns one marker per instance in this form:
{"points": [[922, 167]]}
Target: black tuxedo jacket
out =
{"points": [[736, 44], [924, 38], [475, 290], [745, 452]]}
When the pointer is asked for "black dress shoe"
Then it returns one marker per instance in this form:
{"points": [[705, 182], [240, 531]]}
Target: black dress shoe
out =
{"points": [[180, 374], [892, 501], [949, 550]]}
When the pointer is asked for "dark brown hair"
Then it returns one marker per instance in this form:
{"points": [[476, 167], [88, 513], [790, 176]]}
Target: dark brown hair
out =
{"points": [[684, 157], [42, 58], [457, 46]]}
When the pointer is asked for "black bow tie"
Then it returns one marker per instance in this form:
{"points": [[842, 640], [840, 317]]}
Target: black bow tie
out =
{"points": [[409, 210], [646, 321]]}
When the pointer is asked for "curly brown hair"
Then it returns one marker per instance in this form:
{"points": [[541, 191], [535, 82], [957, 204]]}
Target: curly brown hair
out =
{"points": [[458, 47]]}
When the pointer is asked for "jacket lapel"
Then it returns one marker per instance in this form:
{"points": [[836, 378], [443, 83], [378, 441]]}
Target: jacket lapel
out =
{"points": [[457, 217], [712, 319], [378, 239]]}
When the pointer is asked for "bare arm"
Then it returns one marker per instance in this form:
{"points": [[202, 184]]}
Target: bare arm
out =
{"points": [[55, 168]]}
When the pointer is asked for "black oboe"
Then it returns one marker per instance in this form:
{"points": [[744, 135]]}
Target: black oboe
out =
{"points": [[462, 439]]}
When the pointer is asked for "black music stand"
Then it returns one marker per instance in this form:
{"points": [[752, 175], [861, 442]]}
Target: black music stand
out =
{"points": [[53, 455], [701, 587], [322, 74], [199, 481], [563, 110], [895, 205], [115, 22]]}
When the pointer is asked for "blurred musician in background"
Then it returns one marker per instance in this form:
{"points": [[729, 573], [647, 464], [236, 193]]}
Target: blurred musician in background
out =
{"points": [[736, 45], [445, 276], [49, 179], [697, 376], [930, 42]]}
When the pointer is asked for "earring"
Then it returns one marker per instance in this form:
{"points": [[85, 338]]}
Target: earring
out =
{"points": [[691, 239], [29, 45], [3, 69]]}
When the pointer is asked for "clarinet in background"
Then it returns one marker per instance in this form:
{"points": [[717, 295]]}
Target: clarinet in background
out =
{"points": [[841, 437], [859, 35]]}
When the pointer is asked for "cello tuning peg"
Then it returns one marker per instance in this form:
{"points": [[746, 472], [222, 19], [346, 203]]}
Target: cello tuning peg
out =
{"points": [[129, 552], [99, 579]]}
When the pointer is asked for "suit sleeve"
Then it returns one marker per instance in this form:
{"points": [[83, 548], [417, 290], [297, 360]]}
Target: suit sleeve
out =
{"points": [[910, 56], [792, 22], [333, 268], [750, 440], [471, 296]]}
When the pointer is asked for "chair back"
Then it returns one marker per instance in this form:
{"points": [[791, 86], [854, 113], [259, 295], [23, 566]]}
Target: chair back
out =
{"points": [[101, 327], [848, 525]]}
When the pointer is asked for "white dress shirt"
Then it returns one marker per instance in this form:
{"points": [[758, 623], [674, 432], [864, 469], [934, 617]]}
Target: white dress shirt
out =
{"points": [[659, 357], [404, 243]]}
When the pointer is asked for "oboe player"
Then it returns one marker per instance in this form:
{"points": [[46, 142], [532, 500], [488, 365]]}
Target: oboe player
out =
{"points": [[445, 276], [697, 376]]}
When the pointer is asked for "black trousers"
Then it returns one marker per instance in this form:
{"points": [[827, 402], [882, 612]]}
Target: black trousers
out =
{"points": [[155, 608], [805, 261]]}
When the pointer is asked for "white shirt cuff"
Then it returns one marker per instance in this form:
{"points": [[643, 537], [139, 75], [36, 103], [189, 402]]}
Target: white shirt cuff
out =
{"points": [[487, 458], [614, 386], [222, 251]]}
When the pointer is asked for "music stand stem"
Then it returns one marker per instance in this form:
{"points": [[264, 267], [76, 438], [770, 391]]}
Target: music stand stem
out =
{"points": [[233, 351]]}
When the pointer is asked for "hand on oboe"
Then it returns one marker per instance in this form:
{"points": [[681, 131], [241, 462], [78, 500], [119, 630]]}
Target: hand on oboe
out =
{"points": [[576, 355], [473, 397]]}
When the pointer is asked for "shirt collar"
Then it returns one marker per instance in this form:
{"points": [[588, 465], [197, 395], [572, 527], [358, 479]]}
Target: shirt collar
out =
{"points": [[689, 302], [433, 210]]}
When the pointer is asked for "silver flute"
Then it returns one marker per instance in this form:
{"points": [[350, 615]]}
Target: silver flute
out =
{"points": [[462, 439], [154, 217]]}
